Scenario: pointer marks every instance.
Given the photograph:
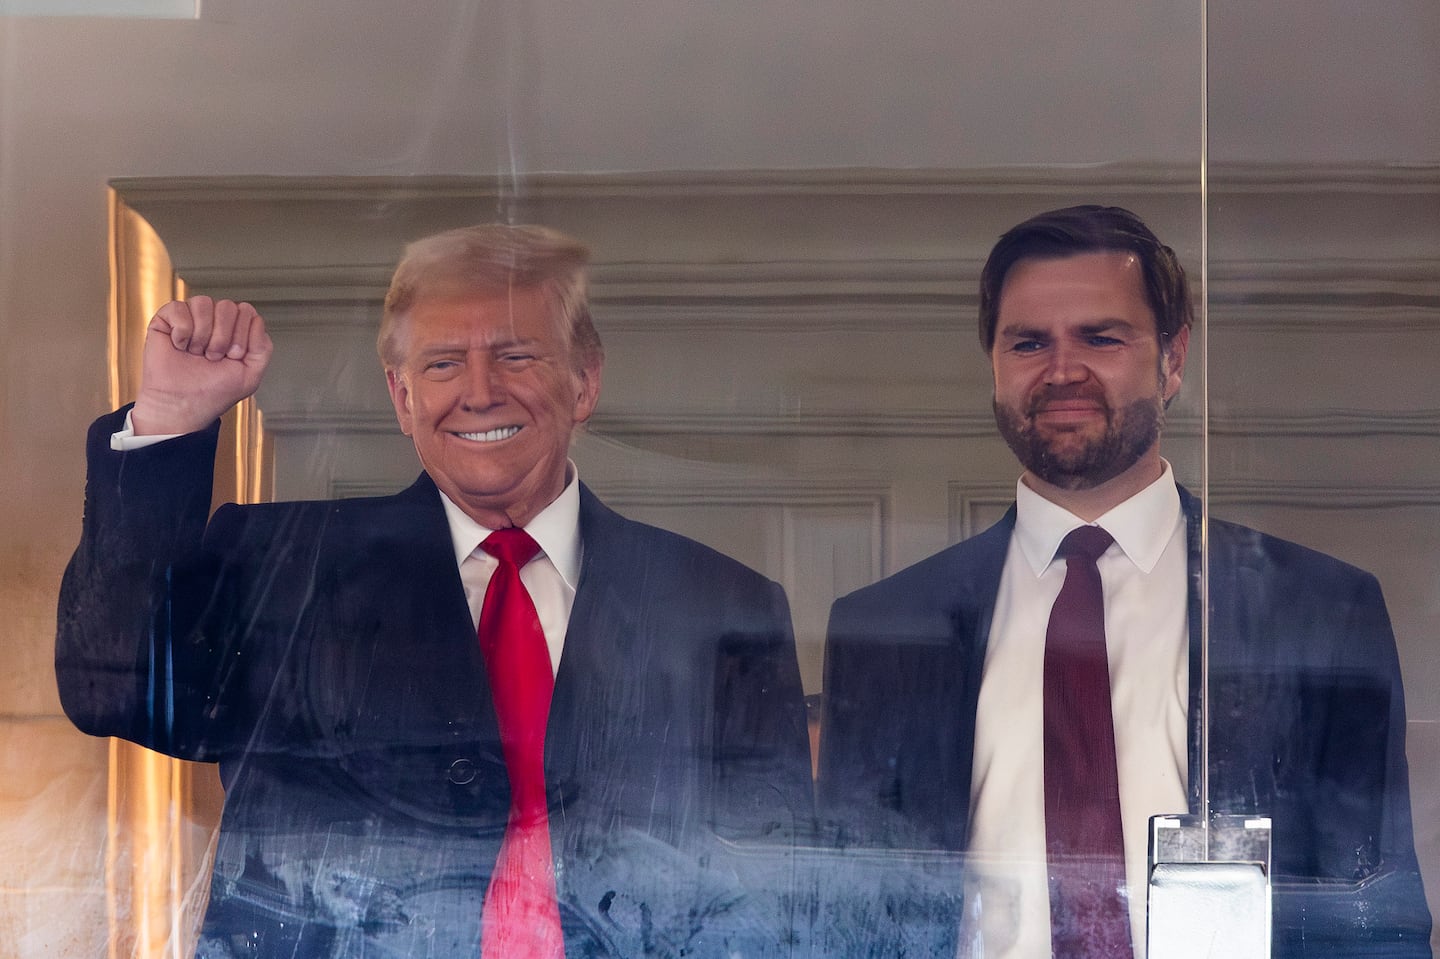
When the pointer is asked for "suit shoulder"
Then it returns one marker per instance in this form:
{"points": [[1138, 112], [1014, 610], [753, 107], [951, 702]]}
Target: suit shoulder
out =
{"points": [[295, 521], [1242, 547], [285, 513], [420, 496]]}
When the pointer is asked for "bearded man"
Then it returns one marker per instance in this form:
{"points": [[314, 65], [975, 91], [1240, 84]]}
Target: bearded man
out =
{"points": [[1009, 713]]}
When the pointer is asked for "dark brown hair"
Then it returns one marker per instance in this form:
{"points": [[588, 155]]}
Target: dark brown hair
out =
{"points": [[1089, 229]]}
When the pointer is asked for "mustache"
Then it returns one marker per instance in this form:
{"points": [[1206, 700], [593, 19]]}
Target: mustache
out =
{"points": [[1046, 395]]}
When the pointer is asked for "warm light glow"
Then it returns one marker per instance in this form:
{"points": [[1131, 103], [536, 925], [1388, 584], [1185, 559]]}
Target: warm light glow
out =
{"points": [[159, 830], [142, 280]]}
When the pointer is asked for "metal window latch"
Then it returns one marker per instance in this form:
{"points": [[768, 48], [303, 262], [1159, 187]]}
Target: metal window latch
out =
{"points": [[1209, 889]]}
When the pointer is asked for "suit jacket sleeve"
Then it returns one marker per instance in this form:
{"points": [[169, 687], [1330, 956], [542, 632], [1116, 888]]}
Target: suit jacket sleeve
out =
{"points": [[1308, 727], [145, 516]]}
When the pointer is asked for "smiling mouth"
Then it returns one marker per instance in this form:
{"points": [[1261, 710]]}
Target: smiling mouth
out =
{"points": [[490, 436]]}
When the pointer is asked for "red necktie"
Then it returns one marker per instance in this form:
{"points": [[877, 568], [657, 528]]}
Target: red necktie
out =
{"points": [[1089, 918], [521, 918]]}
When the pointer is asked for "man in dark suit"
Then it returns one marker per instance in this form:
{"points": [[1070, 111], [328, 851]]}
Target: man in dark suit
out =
{"points": [[325, 654], [939, 731]]}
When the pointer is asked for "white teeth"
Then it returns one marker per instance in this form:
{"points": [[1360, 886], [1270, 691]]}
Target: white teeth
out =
{"points": [[490, 436]]}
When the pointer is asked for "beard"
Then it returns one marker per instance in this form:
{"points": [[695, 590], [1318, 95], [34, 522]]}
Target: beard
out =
{"points": [[1071, 459]]}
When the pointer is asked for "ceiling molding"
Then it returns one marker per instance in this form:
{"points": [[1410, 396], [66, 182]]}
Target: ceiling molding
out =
{"points": [[283, 283], [1255, 297], [907, 424], [849, 181], [667, 184]]}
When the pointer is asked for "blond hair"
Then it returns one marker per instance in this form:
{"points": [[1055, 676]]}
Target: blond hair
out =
{"points": [[494, 258]]}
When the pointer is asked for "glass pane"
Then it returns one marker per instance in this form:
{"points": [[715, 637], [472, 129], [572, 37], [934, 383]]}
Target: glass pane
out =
{"points": [[1324, 216], [787, 208]]}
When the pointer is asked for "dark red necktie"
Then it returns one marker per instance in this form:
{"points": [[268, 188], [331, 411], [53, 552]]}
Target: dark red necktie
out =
{"points": [[521, 918], [1089, 918]]}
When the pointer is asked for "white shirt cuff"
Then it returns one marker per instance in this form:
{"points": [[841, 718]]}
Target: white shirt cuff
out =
{"points": [[125, 439]]}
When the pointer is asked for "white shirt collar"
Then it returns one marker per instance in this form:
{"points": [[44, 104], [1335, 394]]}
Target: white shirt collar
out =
{"points": [[556, 529], [1142, 525]]}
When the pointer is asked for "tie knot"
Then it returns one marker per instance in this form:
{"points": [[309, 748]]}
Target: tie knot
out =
{"points": [[1086, 541], [511, 545]]}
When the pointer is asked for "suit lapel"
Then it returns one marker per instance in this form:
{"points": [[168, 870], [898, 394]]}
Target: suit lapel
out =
{"points": [[403, 611], [599, 641], [974, 580], [993, 546]]}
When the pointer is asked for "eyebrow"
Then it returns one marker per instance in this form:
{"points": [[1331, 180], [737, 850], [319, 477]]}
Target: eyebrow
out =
{"points": [[463, 346], [1022, 330], [438, 349]]}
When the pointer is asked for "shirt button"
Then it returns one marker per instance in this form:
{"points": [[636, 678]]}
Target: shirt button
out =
{"points": [[462, 772]]}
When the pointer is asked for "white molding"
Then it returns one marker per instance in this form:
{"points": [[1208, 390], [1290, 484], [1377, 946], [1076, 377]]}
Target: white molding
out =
{"points": [[903, 295], [916, 423], [911, 424], [1376, 496], [963, 498], [854, 314], [1325, 283], [667, 184], [828, 492], [284, 283], [1230, 316], [1402, 179], [741, 309], [1326, 424], [895, 423], [300, 422], [1223, 178]]}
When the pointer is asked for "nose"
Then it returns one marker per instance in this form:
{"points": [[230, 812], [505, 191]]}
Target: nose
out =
{"points": [[482, 388], [1065, 366]]}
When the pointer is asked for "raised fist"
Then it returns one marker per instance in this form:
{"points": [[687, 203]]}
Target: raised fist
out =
{"points": [[202, 356]]}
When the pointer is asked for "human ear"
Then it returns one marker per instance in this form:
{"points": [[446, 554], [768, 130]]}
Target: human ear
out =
{"points": [[400, 398]]}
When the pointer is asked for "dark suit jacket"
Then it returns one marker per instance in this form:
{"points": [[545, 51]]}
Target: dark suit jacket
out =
{"points": [[322, 653], [1307, 727]]}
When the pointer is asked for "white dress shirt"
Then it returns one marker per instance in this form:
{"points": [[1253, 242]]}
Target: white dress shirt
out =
{"points": [[1147, 639], [550, 578]]}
